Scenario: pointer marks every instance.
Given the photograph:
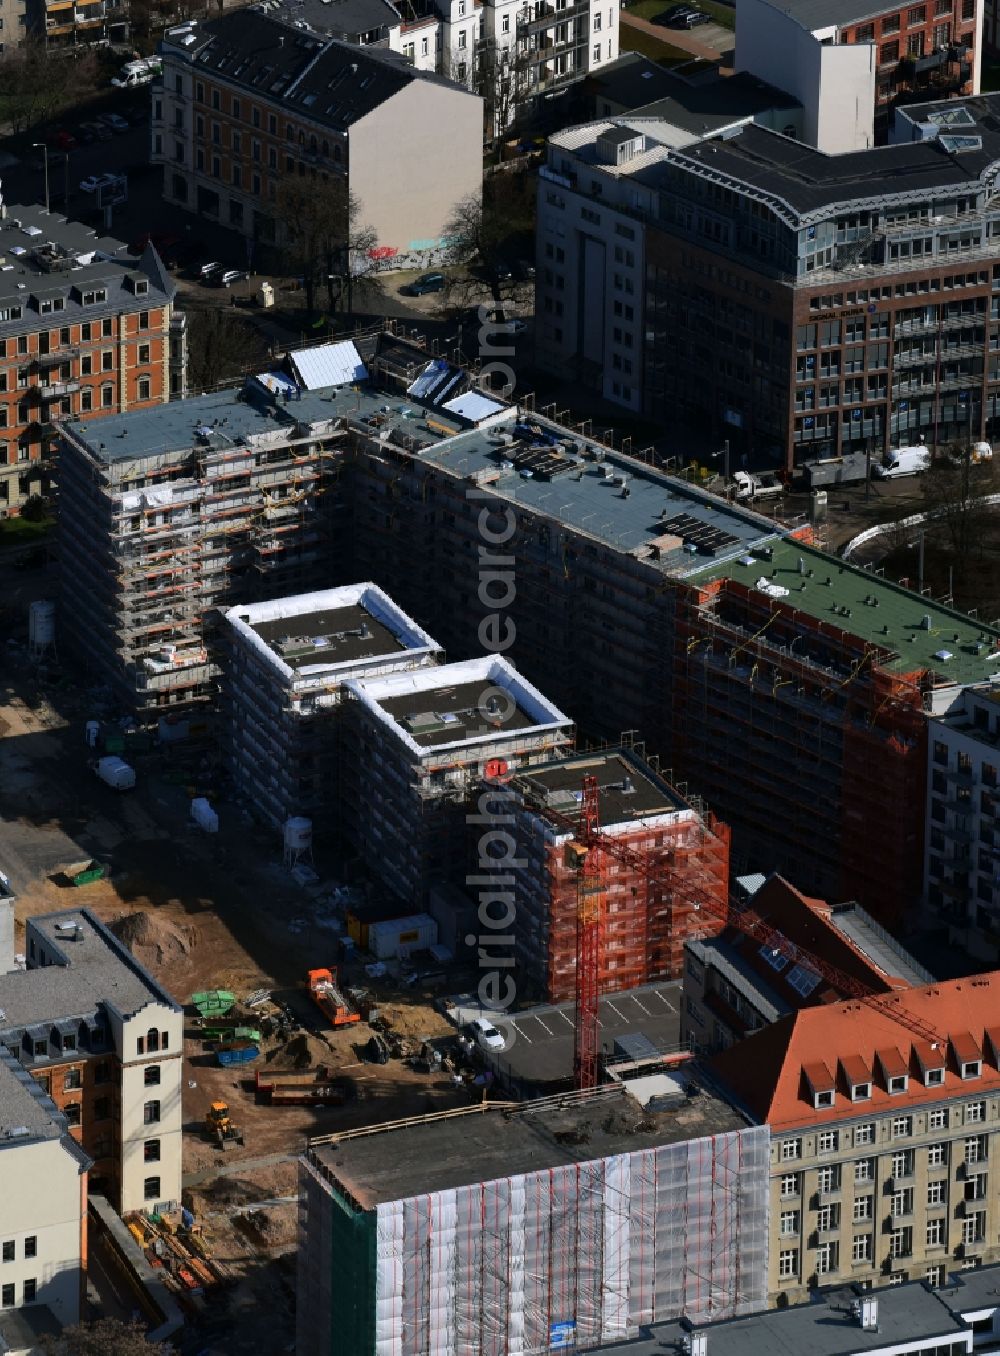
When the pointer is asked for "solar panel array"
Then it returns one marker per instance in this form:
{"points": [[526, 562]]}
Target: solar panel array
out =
{"points": [[694, 531]]}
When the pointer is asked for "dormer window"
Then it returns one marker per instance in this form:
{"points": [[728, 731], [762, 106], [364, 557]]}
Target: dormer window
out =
{"points": [[821, 1085], [822, 1099], [933, 1078], [972, 1068], [861, 1092], [898, 1083], [141, 287]]}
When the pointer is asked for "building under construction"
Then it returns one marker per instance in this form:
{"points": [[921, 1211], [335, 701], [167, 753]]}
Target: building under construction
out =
{"points": [[169, 513], [786, 687], [417, 743], [676, 856], [556, 1225], [284, 668]]}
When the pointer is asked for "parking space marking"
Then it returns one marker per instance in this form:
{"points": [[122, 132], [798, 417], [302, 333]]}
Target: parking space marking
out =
{"points": [[620, 1015], [521, 1032]]}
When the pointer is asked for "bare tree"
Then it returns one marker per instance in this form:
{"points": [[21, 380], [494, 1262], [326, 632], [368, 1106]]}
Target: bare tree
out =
{"points": [[953, 491], [484, 234], [106, 1337], [502, 80], [221, 346], [34, 84], [326, 241]]}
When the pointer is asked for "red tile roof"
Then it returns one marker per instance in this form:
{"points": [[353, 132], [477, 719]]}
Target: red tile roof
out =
{"points": [[768, 1071]]}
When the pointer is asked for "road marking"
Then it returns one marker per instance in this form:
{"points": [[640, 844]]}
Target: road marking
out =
{"points": [[548, 1030], [522, 1033], [567, 1019], [619, 1015], [640, 1006]]}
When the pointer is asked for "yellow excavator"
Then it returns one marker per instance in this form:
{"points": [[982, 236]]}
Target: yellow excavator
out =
{"points": [[219, 1125]]}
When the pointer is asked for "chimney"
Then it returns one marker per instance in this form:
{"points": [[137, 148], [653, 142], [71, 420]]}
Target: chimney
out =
{"points": [[868, 1313]]}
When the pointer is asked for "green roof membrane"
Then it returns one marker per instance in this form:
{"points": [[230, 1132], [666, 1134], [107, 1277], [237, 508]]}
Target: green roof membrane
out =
{"points": [[918, 630]]}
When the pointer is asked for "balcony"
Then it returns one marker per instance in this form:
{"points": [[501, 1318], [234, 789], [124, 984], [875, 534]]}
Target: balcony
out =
{"points": [[546, 16], [921, 65], [57, 389]]}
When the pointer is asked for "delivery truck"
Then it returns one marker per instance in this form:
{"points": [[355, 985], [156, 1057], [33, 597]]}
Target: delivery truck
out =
{"points": [[114, 772], [903, 461]]}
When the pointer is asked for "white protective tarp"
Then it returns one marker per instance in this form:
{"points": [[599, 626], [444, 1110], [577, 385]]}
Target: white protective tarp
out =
{"points": [[328, 365]]}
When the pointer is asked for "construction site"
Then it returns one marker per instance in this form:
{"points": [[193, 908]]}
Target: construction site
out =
{"points": [[559, 1223]]}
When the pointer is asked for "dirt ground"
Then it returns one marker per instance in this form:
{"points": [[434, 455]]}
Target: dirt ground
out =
{"points": [[203, 912]]}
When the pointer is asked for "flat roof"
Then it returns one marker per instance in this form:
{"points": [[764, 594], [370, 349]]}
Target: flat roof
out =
{"points": [[816, 14], [911, 629], [330, 635], [810, 182], [88, 966], [442, 1153], [968, 1292], [825, 1326], [455, 704], [628, 789]]}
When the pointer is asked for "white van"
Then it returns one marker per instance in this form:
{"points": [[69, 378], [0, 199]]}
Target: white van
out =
{"points": [[135, 73], [904, 461]]}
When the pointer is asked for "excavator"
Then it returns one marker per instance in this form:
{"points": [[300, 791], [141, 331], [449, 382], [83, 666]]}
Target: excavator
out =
{"points": [[220, 1126]]}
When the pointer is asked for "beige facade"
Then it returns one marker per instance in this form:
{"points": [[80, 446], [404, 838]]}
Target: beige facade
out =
{"points": [[885, 1198]]}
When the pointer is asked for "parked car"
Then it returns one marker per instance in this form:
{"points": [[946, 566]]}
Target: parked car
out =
{"points": [[96, 130], [427, 282], [227, 277], [487, 1035], [62, 140], [114, 121], [698, 17], [206, 271], [903, 461]]}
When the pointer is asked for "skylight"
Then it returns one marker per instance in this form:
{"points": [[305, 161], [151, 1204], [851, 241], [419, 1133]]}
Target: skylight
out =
{"points": [[774, 956]]}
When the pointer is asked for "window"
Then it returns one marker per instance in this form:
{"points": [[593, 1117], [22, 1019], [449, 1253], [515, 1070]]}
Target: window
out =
{"points": [[864, 1170], [107, 361], [974, 1227], [864, 33], [890, 24], [144, 353], [935, 1193], [143, 387], [888, 53], [902, 1164], [107, 397], [827, 1218], [791, 1148], [937, 1155], [915, 45], [901, 1242], [860, 1092], [151, 1113], [462, 40], [30, 1290], [864, 1208], [898, 1083], [828, 1179], [972, 1068], [7, 1297], [916, 15], [936, 1275], [975, 1111], [861, 1248], [864, 1134], [827, 1141], [151, 1151], [107, 328], [826, 1259], [31, 1246], [9, 1250], [72, 1113], [151, 1189], [151, 1075], [86, 400], [823, 1099], [938, 1119], [901, 1202], [975, 1149], [790, 1184], [144, 320], [788, 1264], [902, 1127], [789, 1223], [941, 36]]}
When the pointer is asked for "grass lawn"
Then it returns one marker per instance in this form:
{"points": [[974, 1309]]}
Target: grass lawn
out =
{"points": [[721, 14], [635, 40], [21, 532]]}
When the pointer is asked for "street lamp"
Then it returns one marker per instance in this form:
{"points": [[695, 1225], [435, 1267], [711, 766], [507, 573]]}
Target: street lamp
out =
{"points": [[725, 465], [41, 146]]}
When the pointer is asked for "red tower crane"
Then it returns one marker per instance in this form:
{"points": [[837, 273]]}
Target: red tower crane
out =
{"points": [[586, 854]]}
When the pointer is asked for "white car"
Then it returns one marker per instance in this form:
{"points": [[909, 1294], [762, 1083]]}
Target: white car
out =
{"points": [[487, 1035]]}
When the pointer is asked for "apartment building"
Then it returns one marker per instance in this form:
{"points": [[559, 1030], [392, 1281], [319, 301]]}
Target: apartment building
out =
{"points": [[249, 100], [417, 743], [676, 866], [100, 1037], [285, 668], [65, 25], [883, 1140], [167, 514], [794, 303], [566, 1223], [84, 330], [963, 801], [735, 985], [849, 63], [43, 1233]]}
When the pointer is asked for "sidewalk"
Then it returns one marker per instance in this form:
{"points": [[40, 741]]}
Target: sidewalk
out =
{"points": [[681, 38]]}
